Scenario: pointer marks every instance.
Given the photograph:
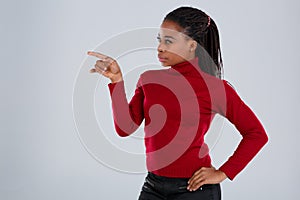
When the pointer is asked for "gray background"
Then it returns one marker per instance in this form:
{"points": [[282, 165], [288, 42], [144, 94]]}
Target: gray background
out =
{"points": [[44, 43]]}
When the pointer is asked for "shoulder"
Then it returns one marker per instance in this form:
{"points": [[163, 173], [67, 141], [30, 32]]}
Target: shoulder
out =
{"points": [[149, 74], [226, 82], [222, 90], [154, 71], [232, 93]]}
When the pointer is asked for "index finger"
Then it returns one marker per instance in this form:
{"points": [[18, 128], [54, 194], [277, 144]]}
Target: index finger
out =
{"points": [[97, 54]]}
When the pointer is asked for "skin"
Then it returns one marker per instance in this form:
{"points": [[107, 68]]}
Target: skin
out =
{"points": [[174, 47], [106, 66]]}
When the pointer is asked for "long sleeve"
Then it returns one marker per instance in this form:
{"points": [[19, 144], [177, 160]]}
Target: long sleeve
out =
{"points": [[253, 134], [127, 116]]}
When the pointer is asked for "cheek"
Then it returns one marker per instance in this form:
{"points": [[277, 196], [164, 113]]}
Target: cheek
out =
{"points": [[179, 50]]}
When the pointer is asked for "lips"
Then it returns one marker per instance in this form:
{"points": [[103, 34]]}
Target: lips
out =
{"points": [[162, 59]]}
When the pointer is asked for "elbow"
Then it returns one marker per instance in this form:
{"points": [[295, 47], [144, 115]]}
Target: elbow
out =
{"points": [[263, 138], [125, 128], [122, 133]]}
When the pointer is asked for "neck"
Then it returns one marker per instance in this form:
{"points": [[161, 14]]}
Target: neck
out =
{"points": [[191, 56], [187, 67]]}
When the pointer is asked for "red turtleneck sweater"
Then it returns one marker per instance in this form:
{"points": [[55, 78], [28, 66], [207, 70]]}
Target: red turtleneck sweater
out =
{"points": [[178, 105]]}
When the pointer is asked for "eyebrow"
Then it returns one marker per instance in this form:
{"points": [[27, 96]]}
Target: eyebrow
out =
{"points": [[167, 36]]}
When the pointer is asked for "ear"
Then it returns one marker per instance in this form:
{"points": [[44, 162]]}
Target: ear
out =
{"points": [[193, 45]]}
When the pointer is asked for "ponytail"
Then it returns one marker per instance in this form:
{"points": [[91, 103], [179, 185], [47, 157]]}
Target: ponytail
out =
{"points": [[202, 28]]}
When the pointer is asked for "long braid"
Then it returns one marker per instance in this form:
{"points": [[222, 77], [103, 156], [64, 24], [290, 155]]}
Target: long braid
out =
{"points": [[200, 27]]}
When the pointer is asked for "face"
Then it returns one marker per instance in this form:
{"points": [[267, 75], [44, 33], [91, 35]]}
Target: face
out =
{"points": [[174, 46]]}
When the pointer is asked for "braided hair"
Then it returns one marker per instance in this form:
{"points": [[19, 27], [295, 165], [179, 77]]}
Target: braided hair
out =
{"points": [[200, 27]]}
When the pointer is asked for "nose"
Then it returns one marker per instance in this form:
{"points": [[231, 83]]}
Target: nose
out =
{"points": [[161, 48]]}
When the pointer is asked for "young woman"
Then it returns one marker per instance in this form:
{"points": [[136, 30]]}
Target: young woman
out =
{"points": [[178, 105]]}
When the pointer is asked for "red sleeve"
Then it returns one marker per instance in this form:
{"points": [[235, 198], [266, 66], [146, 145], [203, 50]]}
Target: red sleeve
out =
{"points": [[127, 116], [253, 134]]}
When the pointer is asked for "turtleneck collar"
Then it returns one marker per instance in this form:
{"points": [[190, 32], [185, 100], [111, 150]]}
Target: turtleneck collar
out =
{"points": [[187, 67]]}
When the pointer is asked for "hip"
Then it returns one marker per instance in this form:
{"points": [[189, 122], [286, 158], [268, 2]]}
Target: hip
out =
{"points": [[158, 187]]}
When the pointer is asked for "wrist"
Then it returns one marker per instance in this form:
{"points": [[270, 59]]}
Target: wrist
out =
{"points": [[223, 175], [117, 79]]}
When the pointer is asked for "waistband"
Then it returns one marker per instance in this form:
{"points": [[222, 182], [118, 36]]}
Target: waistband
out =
{"points": [[180, 183], [164, 178]]}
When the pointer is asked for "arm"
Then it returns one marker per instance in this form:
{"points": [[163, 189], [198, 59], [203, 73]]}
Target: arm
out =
{"points": [[229, 104], [249, 126], [127, 117]]}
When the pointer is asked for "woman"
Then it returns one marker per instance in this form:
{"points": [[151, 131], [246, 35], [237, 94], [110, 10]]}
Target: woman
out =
{"points": [[178, 105]]}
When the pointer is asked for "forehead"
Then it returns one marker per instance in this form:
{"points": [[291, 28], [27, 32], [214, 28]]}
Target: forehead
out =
{"points": [[170, 28], [168, 24]]}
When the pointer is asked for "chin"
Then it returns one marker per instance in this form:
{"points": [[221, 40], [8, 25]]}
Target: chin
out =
{"points": [[165, 64]]}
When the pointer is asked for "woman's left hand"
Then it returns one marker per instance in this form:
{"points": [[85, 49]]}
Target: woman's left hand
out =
{"points": [[205, 175]]}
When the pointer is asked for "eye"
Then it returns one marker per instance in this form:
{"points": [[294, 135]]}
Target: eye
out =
{"points": [[167, 41], [158, 39]]}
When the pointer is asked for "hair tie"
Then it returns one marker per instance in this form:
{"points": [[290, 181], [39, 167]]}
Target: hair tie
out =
{"points": [[208, 23]]}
